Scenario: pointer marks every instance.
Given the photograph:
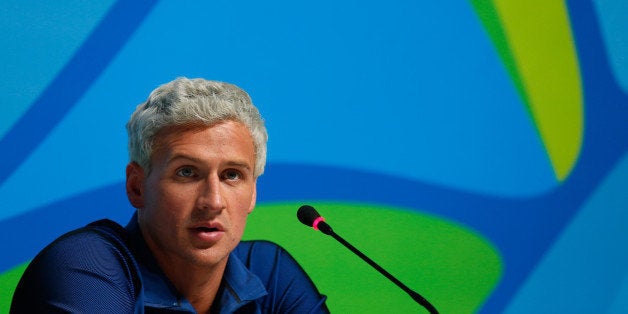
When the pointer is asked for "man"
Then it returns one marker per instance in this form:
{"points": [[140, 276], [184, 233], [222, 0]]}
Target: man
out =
{"points": [[196, 149]]}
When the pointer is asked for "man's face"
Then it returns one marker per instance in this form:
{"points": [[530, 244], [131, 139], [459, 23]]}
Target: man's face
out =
{"points": [[193, 205]]}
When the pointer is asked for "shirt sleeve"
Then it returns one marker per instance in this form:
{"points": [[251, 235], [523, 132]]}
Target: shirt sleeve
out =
{"points": [[290, 289], [86, 271]]}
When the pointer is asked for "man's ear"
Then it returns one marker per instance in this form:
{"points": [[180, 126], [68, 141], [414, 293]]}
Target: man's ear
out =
{"points": [[135, 184], [254, 199]]}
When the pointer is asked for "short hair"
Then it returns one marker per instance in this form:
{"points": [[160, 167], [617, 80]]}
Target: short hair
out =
{"points": [[193, 101]]}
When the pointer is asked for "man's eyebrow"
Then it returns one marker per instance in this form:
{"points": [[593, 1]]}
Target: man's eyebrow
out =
{"points": [[177, 157], [233, 163], [239, 164]]}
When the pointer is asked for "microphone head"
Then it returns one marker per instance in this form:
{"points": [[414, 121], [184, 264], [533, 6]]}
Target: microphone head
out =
{"points": [[311, 218], [307, 215]]}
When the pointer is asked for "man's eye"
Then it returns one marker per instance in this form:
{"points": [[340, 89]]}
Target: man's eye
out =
{"points": [[231, 175], [185, 172]]}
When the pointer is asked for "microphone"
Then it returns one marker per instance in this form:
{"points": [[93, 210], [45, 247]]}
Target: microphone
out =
{"points": [[311, 218]]}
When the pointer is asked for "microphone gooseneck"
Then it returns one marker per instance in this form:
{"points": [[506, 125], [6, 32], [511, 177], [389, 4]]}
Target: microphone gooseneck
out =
{"points": [[311, 218]]}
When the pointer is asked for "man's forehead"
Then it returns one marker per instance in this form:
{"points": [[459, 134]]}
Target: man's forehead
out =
{"points": [[233, 137]]}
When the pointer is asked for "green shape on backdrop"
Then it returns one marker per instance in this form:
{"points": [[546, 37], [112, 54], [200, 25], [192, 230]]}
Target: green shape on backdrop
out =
{"points": [[450, 265], [8, 282]]}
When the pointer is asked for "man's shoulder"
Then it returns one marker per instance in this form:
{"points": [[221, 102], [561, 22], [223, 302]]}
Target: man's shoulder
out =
{"points": [[97, 235], [262, 256], [84, 264], [259, 249], [282, 276], [99, 245]]}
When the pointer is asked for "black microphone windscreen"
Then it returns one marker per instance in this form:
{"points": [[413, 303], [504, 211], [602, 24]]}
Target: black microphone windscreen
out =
{"points": [[307, 214]]}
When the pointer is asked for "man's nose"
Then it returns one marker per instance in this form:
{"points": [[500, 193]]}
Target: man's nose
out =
{"points": [[210, 194]]}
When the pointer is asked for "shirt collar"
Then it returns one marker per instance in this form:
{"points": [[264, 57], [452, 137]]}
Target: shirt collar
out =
{"points": [[239, 285]]}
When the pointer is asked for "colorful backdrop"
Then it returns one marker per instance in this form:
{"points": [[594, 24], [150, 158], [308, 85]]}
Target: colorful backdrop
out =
{"points": [[476, 149]]}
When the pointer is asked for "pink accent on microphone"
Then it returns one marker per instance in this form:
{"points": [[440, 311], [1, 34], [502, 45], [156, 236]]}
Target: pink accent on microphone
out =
{"points": [[316, 222]]}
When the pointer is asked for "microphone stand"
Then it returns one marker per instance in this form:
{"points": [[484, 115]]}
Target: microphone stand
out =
{"points": [[413, 294]]}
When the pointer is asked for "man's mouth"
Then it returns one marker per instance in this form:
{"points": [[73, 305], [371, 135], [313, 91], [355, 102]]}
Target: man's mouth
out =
{"points": [[208, 232], [206, 229]]}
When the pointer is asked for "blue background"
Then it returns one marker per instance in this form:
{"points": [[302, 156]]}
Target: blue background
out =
{"points": [[409, 99]]}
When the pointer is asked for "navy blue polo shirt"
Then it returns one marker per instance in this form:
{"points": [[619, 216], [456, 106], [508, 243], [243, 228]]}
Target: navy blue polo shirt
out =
{"points": [[105, 268]]}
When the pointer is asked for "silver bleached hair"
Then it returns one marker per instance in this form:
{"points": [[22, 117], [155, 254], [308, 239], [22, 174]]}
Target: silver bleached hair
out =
{"points": [[193, 101]]}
